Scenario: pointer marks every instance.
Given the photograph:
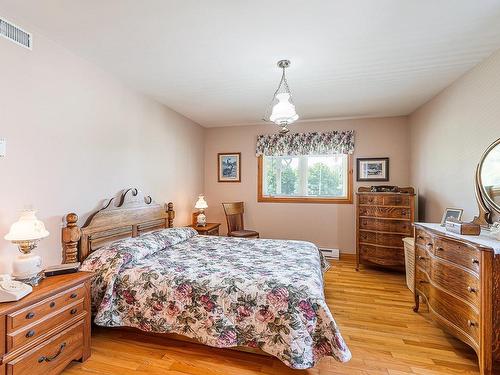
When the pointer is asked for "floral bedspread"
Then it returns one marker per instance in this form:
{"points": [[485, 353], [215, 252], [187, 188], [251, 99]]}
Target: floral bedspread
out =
{"points": [[221, 291]]}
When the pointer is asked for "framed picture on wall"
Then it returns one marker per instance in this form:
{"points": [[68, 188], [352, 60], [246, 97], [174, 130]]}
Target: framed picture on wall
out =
{"points": [[372, 169], [229, 166]]}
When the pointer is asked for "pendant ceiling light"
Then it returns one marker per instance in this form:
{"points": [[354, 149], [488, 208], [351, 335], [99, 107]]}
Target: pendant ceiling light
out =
{"points": [[281, 109]]}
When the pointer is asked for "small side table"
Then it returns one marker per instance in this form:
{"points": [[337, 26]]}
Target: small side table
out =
{"points": [[211, 229]]}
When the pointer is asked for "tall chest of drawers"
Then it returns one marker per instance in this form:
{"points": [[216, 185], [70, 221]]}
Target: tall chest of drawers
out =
{"points": [[43, 332], [383, 220], [458, 277]]}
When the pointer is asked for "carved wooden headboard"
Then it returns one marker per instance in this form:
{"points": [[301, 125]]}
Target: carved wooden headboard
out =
{"points": [[129, 215]]}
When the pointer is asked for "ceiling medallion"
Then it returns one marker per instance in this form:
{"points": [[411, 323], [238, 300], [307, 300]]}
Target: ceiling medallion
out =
{"points": [[281, 109]]}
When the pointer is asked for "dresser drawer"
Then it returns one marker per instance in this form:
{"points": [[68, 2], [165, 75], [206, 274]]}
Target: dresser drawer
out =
{"points": [[33, 313], [388, 212], [370, 199], [395, 226], [381, 238], [423, 259], [52, 356], [396, 200], [456, 281], [451, 309], [422, 283], [458, 253], [27, 334], [423, 238], [383, 256]]}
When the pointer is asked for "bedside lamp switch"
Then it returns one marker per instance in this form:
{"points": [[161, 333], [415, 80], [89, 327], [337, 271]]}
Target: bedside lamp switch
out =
{"points": [[3, 145]]}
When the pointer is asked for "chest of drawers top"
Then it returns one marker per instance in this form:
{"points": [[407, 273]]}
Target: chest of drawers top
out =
{"points": [[49, 287]]}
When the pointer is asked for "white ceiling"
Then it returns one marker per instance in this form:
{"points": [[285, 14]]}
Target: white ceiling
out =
{"points": [[214, 61]]}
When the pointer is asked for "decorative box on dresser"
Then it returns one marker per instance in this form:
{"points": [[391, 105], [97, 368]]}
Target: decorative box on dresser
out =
{"points": [[46, 330], [459, 279], [383, 219]]}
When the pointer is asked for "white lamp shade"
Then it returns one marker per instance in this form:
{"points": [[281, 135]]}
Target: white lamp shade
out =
{"points": [[27, 228], [201, 204], [284, 111]]}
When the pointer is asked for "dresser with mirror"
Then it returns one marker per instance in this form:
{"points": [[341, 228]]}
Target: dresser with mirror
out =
{"points": [[458, 276]]}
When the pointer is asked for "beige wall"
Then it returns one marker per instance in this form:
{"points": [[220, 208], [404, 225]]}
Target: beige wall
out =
{"points": [[327, 225], [75, 135], [448, 136]]}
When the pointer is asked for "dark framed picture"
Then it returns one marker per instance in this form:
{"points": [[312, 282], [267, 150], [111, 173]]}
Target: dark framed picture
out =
{"points": [[372, 169], [229, 166], [451, 214]]}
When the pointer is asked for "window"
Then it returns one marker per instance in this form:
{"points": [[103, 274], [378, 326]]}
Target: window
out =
{"points": [[308, 178]]}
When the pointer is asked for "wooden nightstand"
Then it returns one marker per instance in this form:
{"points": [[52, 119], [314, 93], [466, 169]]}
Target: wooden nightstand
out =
{"points": [[46, 330], [211, 229]]}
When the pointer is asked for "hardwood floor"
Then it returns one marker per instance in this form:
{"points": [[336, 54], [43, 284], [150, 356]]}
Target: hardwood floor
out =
{"points": [[372, 308]]}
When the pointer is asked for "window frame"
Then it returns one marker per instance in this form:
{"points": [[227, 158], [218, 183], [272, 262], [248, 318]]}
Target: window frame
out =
{"points": [[262, 198]]}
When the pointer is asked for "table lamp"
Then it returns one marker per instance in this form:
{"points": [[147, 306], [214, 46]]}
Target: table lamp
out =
{"points": [[25, 233], [201, 204]]}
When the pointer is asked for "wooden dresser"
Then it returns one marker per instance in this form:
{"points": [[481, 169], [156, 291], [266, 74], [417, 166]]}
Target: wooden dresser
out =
{"points": [[46, 330], [383, 220], [459, 279]]}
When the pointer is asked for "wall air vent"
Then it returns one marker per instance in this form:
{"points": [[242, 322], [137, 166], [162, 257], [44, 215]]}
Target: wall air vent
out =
{"points": [[10, 31]]}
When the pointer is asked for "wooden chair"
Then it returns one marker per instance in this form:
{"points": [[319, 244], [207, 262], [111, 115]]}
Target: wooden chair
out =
{"points": [[234, 217]]}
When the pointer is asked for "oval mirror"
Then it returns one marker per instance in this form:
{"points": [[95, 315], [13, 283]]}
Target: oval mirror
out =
{"points": [[489, 175]]}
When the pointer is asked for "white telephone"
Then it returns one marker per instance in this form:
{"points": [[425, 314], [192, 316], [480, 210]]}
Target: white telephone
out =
{"points": [[11, 290]]}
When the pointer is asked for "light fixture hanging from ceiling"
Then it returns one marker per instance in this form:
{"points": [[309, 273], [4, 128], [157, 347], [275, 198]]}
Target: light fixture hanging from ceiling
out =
{"points": [[281, 107]]}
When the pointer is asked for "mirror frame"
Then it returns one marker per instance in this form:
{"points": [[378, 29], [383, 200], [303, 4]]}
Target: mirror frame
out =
{"points": [[485, 203]]}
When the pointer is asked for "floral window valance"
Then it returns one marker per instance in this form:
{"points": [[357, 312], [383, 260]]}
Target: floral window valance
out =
{"points": [[314, 143]]}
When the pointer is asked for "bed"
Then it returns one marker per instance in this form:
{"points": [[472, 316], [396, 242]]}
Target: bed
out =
{"points": [[266, 295]]}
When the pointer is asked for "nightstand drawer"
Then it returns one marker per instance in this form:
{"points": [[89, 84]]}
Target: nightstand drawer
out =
{"points": [[35, 312], [30, 333], [213, 232], [52, 356]]}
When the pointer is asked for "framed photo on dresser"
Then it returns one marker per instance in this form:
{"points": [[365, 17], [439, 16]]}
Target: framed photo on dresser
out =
{"points": [[372, 169]]}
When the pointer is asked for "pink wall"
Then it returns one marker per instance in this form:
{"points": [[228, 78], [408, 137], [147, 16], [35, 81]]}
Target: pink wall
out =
{"points": [[327, 225], [75, 136], [449, 135]]}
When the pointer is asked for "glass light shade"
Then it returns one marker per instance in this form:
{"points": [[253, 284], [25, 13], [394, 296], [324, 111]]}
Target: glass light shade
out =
{"points": [[201, 204], [27, 228], [284, 111]]}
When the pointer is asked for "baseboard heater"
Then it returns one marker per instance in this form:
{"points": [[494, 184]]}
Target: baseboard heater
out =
{"points": [[330, 253]]}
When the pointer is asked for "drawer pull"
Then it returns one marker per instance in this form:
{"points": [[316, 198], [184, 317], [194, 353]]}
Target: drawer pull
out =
{"points": [[423, 282], [475, 261], [403, 212], [421, 257], [30, 333], [52, 304], [420, 237], [470, 323], [30, 315], [471, 289], [51, 358], [73, 295], [73, 311], [439, 248], [429, 245]]}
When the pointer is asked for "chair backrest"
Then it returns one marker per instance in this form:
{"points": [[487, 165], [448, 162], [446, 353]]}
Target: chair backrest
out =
{"points": [[234, 215]]}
